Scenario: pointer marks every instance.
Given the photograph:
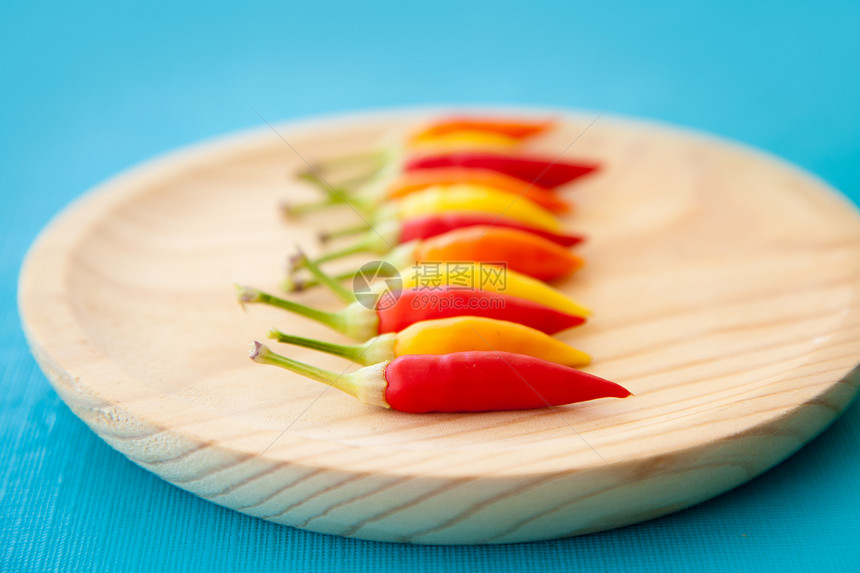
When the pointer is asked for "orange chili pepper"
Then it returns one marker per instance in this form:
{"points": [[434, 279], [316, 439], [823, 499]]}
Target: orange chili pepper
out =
{"points": [[516, 129], [428, 226], [520, 251]]}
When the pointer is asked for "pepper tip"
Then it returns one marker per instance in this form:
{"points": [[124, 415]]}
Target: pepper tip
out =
{"points": [[296, 260], [291, 284], [246, 294], [256, 351], [308, 175], [286, 209]]}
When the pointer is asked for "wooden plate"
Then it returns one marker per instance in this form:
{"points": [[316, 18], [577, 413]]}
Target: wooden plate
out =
{"points": [[724, 287]]}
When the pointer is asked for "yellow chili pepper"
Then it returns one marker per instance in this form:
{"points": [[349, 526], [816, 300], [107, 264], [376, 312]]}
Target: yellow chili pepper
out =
{"points": [[446, 335], [461, 140], [486, 277], [434, 277], [469, 198]]}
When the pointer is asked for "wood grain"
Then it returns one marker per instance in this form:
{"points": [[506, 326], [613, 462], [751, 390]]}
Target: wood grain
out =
{"points": [[724, 287]]}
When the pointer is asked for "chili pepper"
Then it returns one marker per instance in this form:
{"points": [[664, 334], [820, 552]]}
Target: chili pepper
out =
{"points": [[446, 335], [370, 196], [418, 180], [545, 172], [427, 226], [463, 133], [534, 171], [471, 198], [399, 310], [459, 382], [470, 140], [516, 129], [521, 251], [456, 198], [464, 275]]}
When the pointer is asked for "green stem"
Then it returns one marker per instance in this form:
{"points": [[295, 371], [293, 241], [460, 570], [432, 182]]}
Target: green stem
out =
{"points": [[313, 179], [340, 190], [292, 284], [354, 352], [346, 232], [374, 158], [261, 354], [359, 247], [251, 295], [373, 163], [300, 285], [325, 279], [349, 186], [337, 198], [303, 208]]}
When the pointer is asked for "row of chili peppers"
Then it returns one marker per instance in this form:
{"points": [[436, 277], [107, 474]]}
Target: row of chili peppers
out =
{"points": [[457, 191]]}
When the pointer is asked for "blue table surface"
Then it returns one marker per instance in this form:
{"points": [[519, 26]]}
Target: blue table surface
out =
{"points": [[91, 89]]}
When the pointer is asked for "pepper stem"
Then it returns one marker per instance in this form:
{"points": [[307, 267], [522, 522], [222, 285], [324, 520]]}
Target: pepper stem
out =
{"points": [[343, 188], [359, 247], [261, 354], [293, 284], [337, 288], [314, 179], [375, 158], [345, 232], [337, 197], [370, 165], [293, 210], [354, 352], [298, 285], [251, 295]]}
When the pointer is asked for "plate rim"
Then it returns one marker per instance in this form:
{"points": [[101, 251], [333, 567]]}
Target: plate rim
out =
{"points": [[117, 189]]}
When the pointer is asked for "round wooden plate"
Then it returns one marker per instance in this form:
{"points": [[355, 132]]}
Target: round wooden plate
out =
{"points": [[724, 287]]}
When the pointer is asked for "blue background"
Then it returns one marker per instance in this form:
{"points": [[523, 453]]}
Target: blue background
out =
{"points": [[88, 90]]}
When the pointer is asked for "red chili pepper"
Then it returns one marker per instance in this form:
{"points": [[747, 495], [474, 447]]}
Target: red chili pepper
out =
{"points": [[476, 381], [394, 311], [544, 172], [429, 226], [419, 304]]}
